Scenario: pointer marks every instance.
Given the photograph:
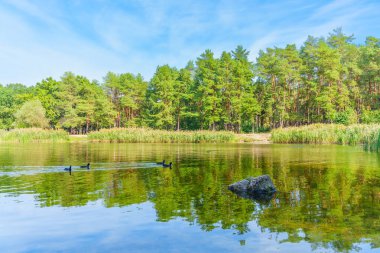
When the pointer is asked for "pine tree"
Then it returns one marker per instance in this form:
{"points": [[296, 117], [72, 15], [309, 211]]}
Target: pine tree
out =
{"points": [[162, 97], [209, 90]]}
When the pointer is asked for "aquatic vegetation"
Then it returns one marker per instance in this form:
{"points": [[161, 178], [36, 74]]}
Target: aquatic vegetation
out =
{"points": [[146, 135], [33, 135], [368, 135]]}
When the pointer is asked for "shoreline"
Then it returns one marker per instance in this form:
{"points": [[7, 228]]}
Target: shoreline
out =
{"points": [[256, 138]]}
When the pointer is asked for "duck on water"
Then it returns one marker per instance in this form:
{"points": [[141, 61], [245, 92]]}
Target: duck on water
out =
{"points": [[167, 165], [86, 166], [161, 163], [68, 169]]}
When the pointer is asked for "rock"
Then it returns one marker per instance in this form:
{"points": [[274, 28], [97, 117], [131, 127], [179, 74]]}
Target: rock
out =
{"points": [[259, 188]]}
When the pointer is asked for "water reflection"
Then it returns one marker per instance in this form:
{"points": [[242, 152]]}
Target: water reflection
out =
{"points": [[328, 196]]}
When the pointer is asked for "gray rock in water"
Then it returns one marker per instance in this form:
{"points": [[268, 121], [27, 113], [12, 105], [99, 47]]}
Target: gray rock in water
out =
{"points": [[260, 188]]}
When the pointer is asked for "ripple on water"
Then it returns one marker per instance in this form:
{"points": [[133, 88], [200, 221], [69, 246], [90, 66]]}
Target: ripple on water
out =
{"points": [[14, 171], [18, 185]]}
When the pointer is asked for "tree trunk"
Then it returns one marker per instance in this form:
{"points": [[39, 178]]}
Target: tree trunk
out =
{"points": [[178, 120], [87, 124], [253, 124]]}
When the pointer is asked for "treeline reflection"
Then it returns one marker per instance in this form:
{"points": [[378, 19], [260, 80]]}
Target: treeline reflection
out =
{"points": [[328, 196]]}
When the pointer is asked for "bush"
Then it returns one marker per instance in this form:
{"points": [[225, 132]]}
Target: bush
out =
{"points": [[371, 117], [346, 117]]}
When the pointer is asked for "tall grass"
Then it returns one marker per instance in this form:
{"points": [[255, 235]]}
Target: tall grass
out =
{"points": [[372, 141], [368, 135], [25, 135], [145, 135]]}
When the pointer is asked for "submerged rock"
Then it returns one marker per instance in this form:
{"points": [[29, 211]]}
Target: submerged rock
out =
{"points": [[258, 188]]}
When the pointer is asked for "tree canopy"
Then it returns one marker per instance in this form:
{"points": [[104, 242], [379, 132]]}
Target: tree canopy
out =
{"points": [[31, 114], [325, 80]]}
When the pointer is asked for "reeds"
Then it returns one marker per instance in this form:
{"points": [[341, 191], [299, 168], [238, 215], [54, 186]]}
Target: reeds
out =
{"points": [[372, 141], [146, 135], [25, 135], [368, 135]]}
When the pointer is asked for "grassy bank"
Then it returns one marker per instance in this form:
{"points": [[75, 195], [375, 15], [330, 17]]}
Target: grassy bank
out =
{"points": [[368, 135], [25, 135], [136, 135]]}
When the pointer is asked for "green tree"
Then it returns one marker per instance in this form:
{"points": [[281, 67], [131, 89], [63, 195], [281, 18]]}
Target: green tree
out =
{"points": [[369, 80], [209, 90], [326, 80], [309, 86], [162, 98], [183, 94], [244, 103], [6, 108], [224, 78], [104, 112], [68, 102], [113, 88], [133, 90], [31, 114], [46, 92], [347, 86], [127, 93], [12, 96], [267, 72]]}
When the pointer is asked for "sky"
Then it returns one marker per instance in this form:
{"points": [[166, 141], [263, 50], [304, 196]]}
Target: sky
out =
{"points": [[45, 38]]}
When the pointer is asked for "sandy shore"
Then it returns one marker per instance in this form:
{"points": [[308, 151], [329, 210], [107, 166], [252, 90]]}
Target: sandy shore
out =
{"points": [[259, 138]]}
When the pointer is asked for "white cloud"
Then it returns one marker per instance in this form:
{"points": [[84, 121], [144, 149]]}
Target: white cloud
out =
{"points": [[42, 39], [268, 40], [320, 22]]}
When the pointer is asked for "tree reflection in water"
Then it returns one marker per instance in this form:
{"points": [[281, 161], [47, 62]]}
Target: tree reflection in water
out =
{"points": [[328, 196]]}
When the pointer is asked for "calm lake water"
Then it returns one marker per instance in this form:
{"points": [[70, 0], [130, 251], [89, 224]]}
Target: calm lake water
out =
{"points": [[328, 198]]}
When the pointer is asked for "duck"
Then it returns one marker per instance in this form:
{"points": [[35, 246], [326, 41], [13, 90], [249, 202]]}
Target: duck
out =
{"points": [[85, 166], [68, 169], [167, 165], [161, 163]]}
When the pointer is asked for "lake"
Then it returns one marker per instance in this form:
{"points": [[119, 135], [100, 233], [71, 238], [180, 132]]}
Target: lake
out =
{"points": [[328, 198]]}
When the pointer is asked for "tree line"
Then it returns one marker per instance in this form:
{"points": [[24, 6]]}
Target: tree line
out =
{"points": [[325, 80]]}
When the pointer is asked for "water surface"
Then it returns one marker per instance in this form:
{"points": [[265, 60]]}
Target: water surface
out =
{"points": [[328, 198]]}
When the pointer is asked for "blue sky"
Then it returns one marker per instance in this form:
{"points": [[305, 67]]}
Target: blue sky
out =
{"points": [[45, 38]]}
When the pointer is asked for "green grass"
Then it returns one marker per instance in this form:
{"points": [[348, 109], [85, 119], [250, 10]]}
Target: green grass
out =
{"points": [[145, 135], [368, 135], [25, 135]]}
